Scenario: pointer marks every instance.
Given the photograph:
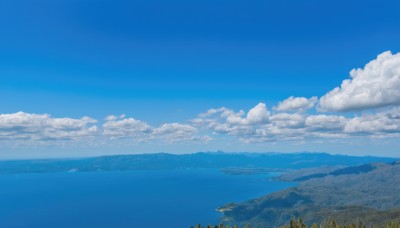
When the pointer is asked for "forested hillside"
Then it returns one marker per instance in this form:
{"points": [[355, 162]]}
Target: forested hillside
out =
{"points": [[370, 196]]}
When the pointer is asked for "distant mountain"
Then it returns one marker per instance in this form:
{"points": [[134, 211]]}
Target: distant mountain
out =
{"points": [[271, 161], [369, 193], [319, 172]]}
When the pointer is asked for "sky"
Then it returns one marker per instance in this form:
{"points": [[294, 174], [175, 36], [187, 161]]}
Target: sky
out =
{"points": [[95, 77]]}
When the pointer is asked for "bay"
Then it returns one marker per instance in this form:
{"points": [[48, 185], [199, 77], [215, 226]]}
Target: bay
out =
{"points": [[156, 198]]}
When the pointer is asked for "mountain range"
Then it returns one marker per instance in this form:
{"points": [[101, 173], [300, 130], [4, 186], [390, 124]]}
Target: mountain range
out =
{"points": [[235, 162]]}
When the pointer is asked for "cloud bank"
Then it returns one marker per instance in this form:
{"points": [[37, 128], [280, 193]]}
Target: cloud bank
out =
{"points": [[372, 94], [25, 126]]}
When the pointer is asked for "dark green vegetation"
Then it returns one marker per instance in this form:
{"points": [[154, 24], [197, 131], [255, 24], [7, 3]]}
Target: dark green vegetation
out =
{"points": [[238, 163], [331, 223], [219, 226], [299, 223], [368, 193]]}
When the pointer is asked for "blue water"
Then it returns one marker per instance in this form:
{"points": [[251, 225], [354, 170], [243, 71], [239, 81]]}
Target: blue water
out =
{"points": [[146, 199]]}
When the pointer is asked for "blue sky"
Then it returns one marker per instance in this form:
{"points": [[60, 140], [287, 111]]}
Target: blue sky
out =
{"points": [[165, 62]]}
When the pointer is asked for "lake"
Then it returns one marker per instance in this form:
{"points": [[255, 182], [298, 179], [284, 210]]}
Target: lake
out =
{"points": [[159, 198]]}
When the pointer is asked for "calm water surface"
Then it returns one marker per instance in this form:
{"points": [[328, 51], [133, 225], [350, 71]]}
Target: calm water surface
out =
{"points": [[145, 199]]}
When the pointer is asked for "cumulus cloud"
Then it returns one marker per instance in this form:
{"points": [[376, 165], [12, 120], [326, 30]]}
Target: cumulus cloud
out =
{"points": [[326, 122], [377, 85], [227, 121], [286, 120], [112, 117], [296, 126], [385, 123], [28, 126], [299, 104], [126, 128], [43, 128], [255, 126], [257, 115], [136, 130], [172, 132]]}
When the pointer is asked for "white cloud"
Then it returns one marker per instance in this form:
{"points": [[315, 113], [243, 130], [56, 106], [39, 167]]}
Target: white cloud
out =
{"points": [[27, 126], [325, 123], [295, 126], [225, 121], [257, 115], [110, 118], [174, 128], [385, 123], [253, 127], [286, 120], [257, 126], [299, 104], [274, 133], [126, 127], [136, 130], [377, 85], [172, 132]]}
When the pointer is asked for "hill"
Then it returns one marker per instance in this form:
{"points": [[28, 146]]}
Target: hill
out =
{"points": [[369, 193]]}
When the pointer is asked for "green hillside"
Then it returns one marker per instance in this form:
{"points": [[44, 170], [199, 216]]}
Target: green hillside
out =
{"points": [[372, 196]]}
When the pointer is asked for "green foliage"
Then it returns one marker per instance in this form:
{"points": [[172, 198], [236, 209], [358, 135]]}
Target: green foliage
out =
{"points": [[392, 225], [299, 223], [296, 224], [333, 224], [221, 225]]}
